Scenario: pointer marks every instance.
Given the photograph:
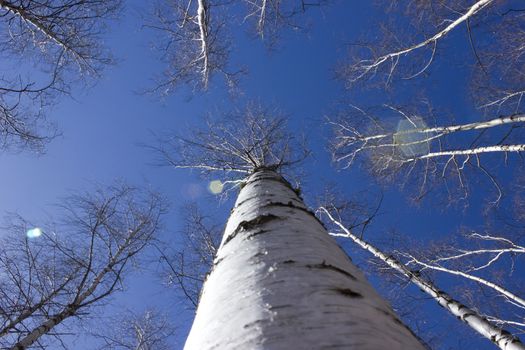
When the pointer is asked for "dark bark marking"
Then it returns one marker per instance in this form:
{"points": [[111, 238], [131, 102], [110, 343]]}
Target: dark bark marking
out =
{"points": [[288, 261], [348, 292], [280, 307], [465, 316], [218, 261], [324, 265], [259, 220], [259, 254], [248, 325], [513, 340], [250, 198], [251, 224], [277, 178], [250, 236], [291, 205], [506, 333]]}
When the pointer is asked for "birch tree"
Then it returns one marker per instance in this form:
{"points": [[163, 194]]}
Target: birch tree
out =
{"points": [[186, 266], [197, 41], [425, 152], [385, 58], [149, 330], [486, 265], [50, 45], [196, 44], [476, 321], [269, 17], [415, 35], [52, 276], [278, 279], [414, 149]]}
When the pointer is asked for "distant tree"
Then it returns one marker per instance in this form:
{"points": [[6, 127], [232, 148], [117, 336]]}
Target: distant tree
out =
{"points": [[278, 279], [186, 266], [148, 331], [197, 44], [270, 17], [48, 46], [60, 273]]}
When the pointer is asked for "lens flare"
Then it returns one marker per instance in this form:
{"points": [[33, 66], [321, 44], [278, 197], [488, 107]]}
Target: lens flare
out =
{"points": [[216, 186], [34, 232], [412, 143]]}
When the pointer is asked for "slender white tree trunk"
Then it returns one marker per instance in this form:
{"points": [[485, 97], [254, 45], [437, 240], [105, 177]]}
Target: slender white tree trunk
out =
{"points": [[43, 329], [203, 30], [279, 281], [503, 339]]}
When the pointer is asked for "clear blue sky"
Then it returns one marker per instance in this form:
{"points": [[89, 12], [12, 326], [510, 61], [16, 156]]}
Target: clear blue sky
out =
{"points": [[104, 126]]}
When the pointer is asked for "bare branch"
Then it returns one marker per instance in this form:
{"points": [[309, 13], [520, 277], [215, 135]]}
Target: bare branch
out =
{"points": [[366, 67], [60, 274], [196, 45], [186, 268], [477, 322], [241, 143], [60, 44], [270, 16], [415, 148], [492, 256], [131, 331]]}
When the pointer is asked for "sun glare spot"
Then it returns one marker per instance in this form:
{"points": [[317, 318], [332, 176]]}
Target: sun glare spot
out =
{"points": [[411, 143], [216, 186], [34, 233]]}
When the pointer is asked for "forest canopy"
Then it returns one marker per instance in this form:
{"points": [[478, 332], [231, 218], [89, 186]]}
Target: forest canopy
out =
{"points": [[127, 130]]}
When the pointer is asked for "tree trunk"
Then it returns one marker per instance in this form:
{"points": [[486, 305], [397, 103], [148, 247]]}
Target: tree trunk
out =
{"points": [[279, 281], [44, 328], [503, 339]]}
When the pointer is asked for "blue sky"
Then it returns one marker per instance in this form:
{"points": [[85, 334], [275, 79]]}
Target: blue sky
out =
{"points": [[104, 126]]}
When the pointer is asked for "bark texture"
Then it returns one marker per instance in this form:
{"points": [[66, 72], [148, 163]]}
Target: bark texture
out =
{"points": [[279, 281]]}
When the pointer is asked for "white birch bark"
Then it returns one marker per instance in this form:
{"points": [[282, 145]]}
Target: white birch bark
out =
{"points": [[114, 268], [367, 66], [351, 142], [68, 311], [35, 23], [435, 132], [203, 31], [473, 151], [503, 339], [279, 281], [508, 294]]}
